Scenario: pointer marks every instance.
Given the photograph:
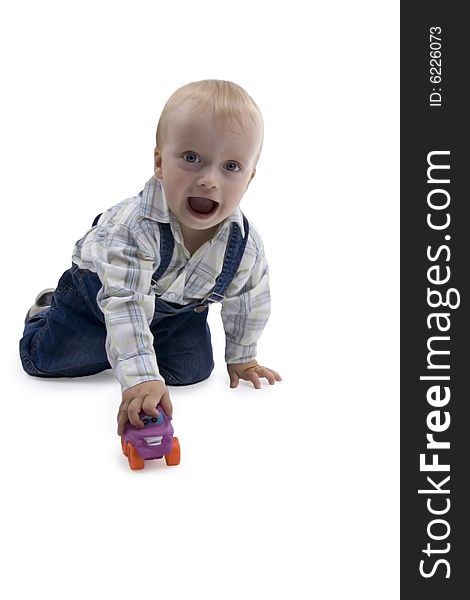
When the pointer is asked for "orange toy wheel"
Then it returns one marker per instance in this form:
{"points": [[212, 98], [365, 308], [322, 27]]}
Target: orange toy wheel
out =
{"points": [[123, 446], [173, 458], [135, 460]]}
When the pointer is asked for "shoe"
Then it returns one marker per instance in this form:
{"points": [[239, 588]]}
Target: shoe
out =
{"points": [[42, 302]]}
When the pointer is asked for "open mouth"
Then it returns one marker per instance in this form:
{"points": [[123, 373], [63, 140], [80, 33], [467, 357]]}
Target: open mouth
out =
{"points": [[201, 207]]}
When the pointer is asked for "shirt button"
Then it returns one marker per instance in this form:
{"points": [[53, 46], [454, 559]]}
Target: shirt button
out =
{"points": [[171, 295]]}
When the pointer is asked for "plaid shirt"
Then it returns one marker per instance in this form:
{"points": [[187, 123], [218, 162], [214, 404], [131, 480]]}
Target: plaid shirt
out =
{"points": [[123, 249]]}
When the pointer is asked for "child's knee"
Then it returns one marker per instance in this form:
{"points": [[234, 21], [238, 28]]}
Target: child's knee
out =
{"points": [[29, 367]]}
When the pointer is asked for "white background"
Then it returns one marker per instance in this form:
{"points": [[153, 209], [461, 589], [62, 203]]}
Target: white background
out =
{"points": [[288, 491]]}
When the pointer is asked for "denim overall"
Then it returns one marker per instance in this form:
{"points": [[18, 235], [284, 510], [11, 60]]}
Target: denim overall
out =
{"points": [[68, 339]]}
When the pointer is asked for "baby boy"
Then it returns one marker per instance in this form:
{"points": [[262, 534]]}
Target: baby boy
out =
{"points": [[142, 278]]}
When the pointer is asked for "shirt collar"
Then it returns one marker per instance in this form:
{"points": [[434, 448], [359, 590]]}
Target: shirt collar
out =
{"points": [[155, 207]]}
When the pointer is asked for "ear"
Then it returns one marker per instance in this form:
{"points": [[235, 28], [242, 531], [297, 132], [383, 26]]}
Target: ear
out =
{"points": [[158, 162], [251, 177]]}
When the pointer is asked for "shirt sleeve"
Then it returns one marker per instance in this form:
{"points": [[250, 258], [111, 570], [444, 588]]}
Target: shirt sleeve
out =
{"points": [[246, 309], [128, 304]]}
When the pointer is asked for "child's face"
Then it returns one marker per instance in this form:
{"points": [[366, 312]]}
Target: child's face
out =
{"points": [[205, 169]]}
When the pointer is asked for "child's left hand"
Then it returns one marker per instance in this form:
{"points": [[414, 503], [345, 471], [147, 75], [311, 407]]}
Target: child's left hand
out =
{"points": [[251, 371]]}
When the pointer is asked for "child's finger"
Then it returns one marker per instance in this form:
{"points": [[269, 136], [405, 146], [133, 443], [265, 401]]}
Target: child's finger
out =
{"points": [[276, 375], [122, 417], [234, 379], [264, 372], [253, 377], [149, 406], [133, 411], [122, 420], [166, 404]]}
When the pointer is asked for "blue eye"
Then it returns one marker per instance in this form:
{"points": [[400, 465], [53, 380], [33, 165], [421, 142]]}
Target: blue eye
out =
{"points": [[191, 157], [232, 166]]}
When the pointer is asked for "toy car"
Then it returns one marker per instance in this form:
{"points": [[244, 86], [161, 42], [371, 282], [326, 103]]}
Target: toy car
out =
{"points": [[153, 440]]}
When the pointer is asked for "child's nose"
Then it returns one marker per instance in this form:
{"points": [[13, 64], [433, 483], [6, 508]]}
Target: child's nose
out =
{"points": [[208, 179]]}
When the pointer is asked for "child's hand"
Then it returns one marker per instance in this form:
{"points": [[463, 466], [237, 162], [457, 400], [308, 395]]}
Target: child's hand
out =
{"points": [[144, 396], [251, 371]]}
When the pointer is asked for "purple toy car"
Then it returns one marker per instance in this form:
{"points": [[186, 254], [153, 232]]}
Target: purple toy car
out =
{"points": [[153, 440]]}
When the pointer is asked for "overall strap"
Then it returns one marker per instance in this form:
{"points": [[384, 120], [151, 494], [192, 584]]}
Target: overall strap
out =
{"points": [[233, 255], [167, 243], [96, 219]]}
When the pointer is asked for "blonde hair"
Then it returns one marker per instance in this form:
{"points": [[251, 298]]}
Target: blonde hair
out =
{"points": [[228, 101]]}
